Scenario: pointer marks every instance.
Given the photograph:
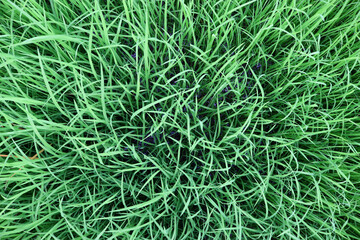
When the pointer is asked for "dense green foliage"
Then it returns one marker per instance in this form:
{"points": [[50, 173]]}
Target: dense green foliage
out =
{"points": [[228, 119]]}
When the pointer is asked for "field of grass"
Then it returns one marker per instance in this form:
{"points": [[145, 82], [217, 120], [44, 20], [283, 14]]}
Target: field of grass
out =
{"points": [[179, 119]]}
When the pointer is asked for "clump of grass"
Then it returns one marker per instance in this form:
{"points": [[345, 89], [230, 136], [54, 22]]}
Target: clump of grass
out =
{"points": [[179, 119]]}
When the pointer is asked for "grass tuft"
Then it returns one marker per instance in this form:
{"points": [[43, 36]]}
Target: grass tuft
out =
{"points": [[230, 119]]}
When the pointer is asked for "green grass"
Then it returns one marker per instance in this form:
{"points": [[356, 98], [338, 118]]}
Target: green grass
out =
{"points": [[180, 119]]}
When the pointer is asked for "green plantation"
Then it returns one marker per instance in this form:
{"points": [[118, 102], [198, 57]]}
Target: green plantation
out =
{"points": [[179, 119]]}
